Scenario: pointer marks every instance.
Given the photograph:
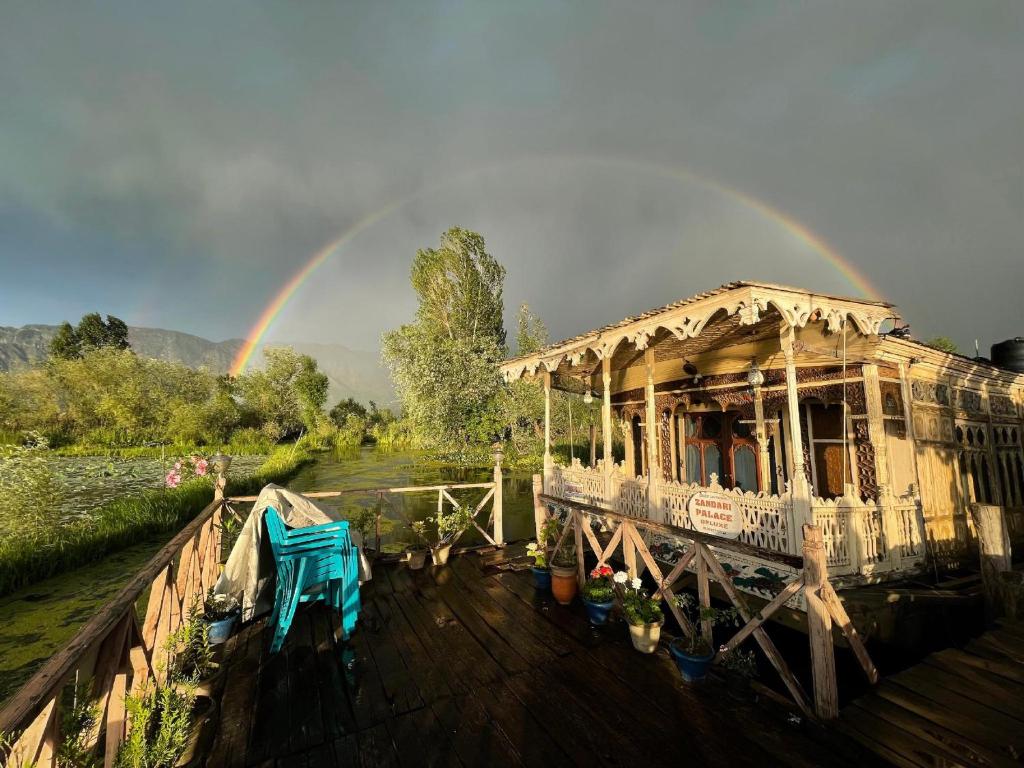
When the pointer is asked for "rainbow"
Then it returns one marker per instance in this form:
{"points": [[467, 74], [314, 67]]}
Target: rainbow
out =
{"points": [[277, 304]]}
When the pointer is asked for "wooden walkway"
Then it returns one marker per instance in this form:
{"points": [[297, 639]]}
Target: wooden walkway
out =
{"points": [[468, 666], [957, 707]]}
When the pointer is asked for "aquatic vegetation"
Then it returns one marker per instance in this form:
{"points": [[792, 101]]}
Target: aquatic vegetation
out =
{"points": [[36, 541]]}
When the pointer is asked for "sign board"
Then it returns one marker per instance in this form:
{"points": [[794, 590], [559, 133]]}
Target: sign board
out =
{"points": [[574, 492], [715, 513]]}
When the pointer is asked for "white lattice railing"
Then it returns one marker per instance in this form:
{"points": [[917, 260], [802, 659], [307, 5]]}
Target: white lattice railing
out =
{"points": [[865, 538], [764, 515]]}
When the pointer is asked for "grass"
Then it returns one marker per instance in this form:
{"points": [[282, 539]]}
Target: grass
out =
{"points": [[31, 553]]}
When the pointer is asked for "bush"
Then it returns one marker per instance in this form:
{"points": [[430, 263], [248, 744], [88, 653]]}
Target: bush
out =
{"points": [[249, 441]]}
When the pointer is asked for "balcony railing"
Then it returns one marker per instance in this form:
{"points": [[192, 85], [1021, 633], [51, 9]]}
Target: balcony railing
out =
{"points": [[868, 539]]}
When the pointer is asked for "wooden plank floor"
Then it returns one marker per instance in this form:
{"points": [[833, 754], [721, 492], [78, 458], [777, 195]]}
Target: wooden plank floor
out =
{"points": [[956, 707], [467, 666]]}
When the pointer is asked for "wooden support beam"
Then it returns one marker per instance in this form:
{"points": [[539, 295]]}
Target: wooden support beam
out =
{"points": [[577, 524], [540, 513], [819, 626], [835, 607], [790, 590], [788, 678], [676, 572], [704, 597]]}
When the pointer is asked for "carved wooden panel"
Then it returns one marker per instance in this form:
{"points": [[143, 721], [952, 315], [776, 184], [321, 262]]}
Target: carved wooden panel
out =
{"points": [[865, 460]]}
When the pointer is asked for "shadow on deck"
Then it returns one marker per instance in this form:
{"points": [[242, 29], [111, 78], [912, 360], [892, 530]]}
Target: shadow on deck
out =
{"points": [[468, 666]]}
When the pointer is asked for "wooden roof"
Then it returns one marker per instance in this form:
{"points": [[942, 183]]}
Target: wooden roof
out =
{"points": [[742, 303]]}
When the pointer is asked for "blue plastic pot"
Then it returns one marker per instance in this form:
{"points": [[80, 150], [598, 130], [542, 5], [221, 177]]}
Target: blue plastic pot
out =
{"points": [[692, 668], [598, 612], [541, 578], [219, 631]]}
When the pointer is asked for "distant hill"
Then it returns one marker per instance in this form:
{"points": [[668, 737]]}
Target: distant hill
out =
{"points": [[352, 373]]}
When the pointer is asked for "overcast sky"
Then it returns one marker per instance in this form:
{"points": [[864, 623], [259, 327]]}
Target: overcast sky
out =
{"points": [[175, 163]]}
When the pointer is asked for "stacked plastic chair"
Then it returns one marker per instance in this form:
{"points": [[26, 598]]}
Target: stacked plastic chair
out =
{"points": [[318, 562]]}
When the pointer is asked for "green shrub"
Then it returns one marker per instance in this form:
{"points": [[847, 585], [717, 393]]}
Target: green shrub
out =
{"points": [[161, 722], [249, 441]]}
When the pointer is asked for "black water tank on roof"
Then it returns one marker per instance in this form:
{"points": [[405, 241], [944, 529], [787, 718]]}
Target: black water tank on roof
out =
{"points": [[1009, 354]]}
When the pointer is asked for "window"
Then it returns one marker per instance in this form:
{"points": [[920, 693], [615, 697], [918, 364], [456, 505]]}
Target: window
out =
{"points": [[720, 444]]}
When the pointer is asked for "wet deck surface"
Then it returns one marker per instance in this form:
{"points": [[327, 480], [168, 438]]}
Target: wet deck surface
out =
{"points": [[467, 666], [957, 707]]}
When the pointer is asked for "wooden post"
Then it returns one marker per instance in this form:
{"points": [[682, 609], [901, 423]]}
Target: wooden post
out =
{"points": [[994, 546], [499, 528], [703, 595], [819, 625], [540, 514], [653, 439], [380, 509], [628, 549], [578, 523], [593, 445]]}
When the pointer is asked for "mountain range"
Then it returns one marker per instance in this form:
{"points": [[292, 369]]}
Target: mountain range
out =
{"points": [[352, 373]]}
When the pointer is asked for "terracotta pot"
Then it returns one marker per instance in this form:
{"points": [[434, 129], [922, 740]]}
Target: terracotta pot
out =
{"points": [[416, 559], [563, 583], [440, 554], [645, 637]]}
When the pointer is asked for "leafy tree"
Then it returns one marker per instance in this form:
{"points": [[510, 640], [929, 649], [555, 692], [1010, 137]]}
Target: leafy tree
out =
{"points": [[66, 345], [444, 364], [91, 333], [532, 333], [286, 396], [944, 343], [349, 406]]}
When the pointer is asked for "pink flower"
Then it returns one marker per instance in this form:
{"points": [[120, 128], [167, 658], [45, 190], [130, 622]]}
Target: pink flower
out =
{"points": [[177, 466], [172, 479], [201, 466]]}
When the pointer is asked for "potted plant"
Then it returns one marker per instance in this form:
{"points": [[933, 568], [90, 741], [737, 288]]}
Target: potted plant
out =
{"points": [[563, 574], [190, 657], [693, 655], [539, 569], [739, 668], [416, 553], [450, 525], [220, 612], [599, 595], [643, 614]]}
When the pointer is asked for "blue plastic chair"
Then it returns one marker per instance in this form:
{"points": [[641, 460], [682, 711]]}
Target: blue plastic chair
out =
{"points": [[314, 563]]}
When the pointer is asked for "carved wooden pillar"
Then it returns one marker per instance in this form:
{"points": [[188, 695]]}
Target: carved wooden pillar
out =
{"points": [[761, 432], [876, 434], [800, 492], [606, 425], [653, 439]]}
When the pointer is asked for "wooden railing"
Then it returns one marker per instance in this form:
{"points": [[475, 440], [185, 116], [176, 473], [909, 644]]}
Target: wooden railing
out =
{"points": [[115, 654], [701, 556]]}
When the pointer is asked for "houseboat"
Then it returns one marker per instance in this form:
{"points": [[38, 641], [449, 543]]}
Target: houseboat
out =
{"points": [[751, 409]]}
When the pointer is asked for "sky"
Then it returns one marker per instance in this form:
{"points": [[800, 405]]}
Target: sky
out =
{"points": [[176, 164]]}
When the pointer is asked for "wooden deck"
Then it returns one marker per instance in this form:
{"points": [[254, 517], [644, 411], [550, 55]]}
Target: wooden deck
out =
{"points": [[466, 666], [957, 707]]}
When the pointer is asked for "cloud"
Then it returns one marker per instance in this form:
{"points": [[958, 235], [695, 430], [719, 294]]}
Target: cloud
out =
{"points": [[214, 149]]}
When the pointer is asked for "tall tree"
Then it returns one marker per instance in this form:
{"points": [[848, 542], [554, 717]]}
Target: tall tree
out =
{"points": [[66, 345], [445, 365], [287, 395]]}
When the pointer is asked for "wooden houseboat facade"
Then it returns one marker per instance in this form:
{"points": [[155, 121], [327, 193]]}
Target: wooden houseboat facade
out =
{"points": [[752, 409]]}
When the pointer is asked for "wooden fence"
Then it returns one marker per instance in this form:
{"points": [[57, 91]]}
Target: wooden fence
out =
{"points": [[625, 537], [115, 654]]}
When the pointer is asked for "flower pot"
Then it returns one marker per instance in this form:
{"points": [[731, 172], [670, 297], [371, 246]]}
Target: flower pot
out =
{"points": [[220, 630], [416, 559], [541, 578], [692, 668], [440, 554], [598, 612], [645, 637], [563, 583]]}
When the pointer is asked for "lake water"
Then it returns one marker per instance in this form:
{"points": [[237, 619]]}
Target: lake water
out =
{"points": [[369, 468], [37, 621]]}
